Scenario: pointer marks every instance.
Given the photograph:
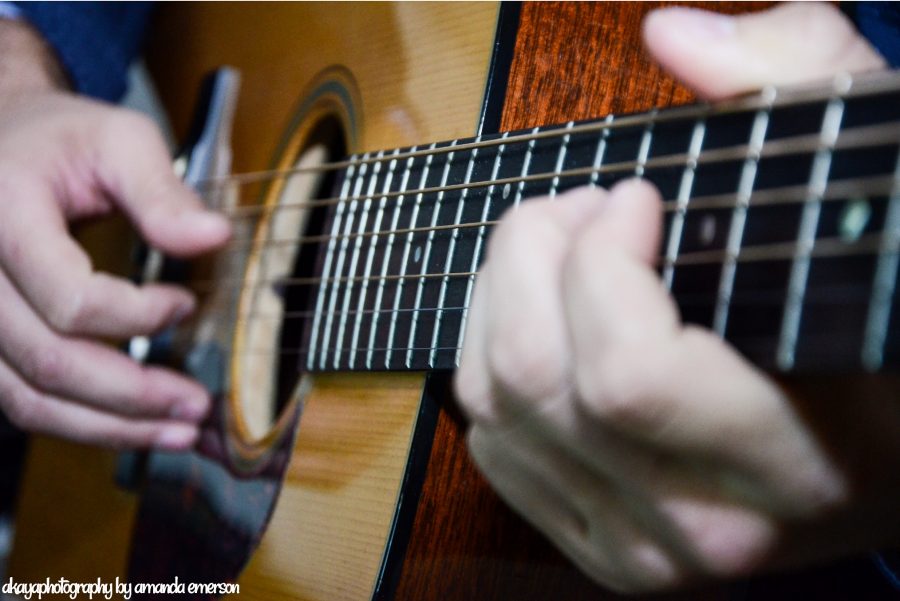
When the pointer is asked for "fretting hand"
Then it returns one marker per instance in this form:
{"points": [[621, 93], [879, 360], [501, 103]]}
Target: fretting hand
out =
{"points": [[62, 159], [649, 451]]}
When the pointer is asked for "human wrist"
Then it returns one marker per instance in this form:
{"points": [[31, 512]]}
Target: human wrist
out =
{"points": [[27, 64]]}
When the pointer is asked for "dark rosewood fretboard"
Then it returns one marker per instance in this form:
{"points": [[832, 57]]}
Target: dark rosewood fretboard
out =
{"points": [[782, 227]]}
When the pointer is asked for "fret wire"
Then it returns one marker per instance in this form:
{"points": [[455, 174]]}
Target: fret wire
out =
{"points": [[363, 292], [354, 259], [387, 257], [681, 203], [479, 242], [601, 151], [560, 159], [858, 137], [526, 164], [644, 150], [806, 240], [329, 255], [448, 264], [336, 282], [426, 255], [884, 283], [405, 260], [862, 85], [738, 218]]}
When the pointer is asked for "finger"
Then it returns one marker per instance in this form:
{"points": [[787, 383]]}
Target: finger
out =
{"points": [[134, 168], [68, 294], [705, 516], [694, 397], [472, 382], [613, 298], [638, 372], [527, 345], [32, 411], [89, 371], [721, 55], [574, 507]]}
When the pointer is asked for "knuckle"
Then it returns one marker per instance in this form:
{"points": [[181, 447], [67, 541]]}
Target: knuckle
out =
{"points": [[653, 569], [23, 408], [149, 395], [728, 541], [641, 568], [525, 365], [469, 389], [123, 122], [727, 554], [620, 392], [67, 312], [46, 367]]}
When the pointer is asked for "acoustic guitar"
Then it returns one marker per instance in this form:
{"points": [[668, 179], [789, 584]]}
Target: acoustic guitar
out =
{"points": [[376, 147]]}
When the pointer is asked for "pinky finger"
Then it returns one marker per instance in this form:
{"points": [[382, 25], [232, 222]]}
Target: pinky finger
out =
{"points": [[35, 412], [577, 510]]}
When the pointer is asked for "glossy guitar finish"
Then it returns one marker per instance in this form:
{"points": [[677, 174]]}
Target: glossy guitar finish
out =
{"points": [[337, 531]]}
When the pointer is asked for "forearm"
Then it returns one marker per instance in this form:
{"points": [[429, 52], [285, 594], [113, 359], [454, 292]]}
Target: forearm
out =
{"points": [[27, 64]]}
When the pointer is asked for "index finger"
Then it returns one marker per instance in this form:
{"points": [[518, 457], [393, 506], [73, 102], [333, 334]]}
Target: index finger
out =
{"points": [[55, 276]]}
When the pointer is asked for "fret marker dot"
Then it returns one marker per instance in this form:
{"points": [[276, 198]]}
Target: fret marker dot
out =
{"points": [[707, 230], [417, 256], [506, 190], [854, 219]]}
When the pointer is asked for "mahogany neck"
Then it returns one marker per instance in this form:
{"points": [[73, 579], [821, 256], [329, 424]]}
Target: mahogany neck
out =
{"points": [[781, 230]]}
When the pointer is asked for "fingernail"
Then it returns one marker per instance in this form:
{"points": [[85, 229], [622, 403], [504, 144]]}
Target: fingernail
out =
{"points": [[184, 310], [193, 410], [702, 24], [177, 438], [208, 223], [624, 191]]}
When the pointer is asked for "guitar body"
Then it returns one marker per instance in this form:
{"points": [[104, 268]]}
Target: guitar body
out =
{"points": [[374, 495]]}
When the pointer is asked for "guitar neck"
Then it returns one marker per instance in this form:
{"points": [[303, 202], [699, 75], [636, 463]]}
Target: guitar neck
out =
{"points": [[781, 229]]}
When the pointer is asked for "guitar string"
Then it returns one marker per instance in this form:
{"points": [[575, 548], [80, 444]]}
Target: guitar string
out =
{"points": [[843, 86], [711, 256], [862, 292], [331, 351], [782, 251], [697, 111], [776, 196], [851, 138], [823, 298]]}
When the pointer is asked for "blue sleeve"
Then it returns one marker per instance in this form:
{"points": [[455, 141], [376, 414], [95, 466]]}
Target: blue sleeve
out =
{"points": [[880, 23], [95, 41]]}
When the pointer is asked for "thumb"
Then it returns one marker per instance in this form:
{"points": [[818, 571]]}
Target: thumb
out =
{"points": [[134, 168], [720, 55]]}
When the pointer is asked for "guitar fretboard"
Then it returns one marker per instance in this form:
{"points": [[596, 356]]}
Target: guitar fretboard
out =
{"points": [[782, 227]]}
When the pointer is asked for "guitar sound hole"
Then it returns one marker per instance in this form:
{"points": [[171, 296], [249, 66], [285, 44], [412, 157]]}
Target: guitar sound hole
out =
{"points": [[300, 299], [278, 297]]}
